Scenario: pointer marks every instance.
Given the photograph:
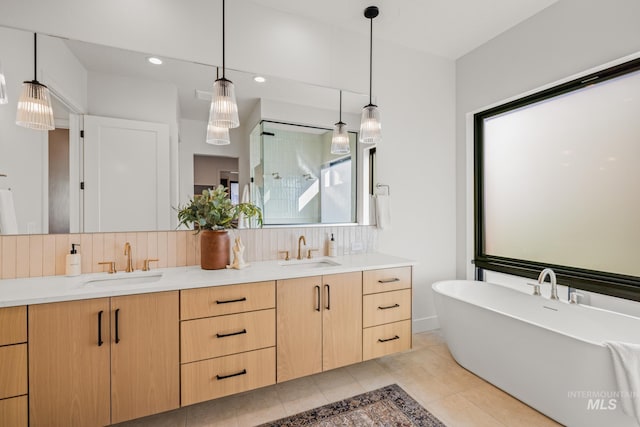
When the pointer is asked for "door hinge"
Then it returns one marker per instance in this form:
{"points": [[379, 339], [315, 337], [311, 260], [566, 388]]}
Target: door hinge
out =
{"points": [[82, 134], [82, 185]]}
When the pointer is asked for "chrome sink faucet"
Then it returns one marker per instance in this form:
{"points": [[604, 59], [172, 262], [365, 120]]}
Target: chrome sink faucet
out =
{"points": [[552, 278], [301, 239], [127, 252]]}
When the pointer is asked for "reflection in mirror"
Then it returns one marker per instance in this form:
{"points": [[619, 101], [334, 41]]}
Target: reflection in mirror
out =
{"points": [[144, 125], [296, 179]]}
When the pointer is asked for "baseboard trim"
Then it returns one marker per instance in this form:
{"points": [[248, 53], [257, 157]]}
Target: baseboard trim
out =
{"points": [[424, 324]]}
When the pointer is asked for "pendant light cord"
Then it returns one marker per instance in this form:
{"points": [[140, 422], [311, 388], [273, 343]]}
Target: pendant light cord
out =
{"points": [[35, 57], [340, 107], [370, 60], [223, 38]]}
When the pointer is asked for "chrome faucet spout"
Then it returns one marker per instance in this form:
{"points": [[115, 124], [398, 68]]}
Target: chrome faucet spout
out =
{"points": [[552, 278], [301, 239]]}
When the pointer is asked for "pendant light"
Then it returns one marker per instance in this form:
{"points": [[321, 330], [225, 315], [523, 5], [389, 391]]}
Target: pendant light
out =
{"points": [[4, 99], [34, 104], [224, 109], [340, 138], [370, 123], [216, 135]]}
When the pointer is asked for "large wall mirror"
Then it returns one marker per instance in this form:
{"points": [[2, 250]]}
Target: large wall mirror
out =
{"points": [[143, 149]]}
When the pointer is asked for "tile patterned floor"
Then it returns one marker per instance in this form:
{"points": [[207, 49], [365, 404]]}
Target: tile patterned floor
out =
{"points": [[427, 372]]}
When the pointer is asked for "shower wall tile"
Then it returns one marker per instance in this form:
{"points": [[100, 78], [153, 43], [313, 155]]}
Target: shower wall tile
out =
{"points": [[45, 255]]}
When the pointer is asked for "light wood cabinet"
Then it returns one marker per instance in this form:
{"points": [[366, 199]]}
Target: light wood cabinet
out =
{"points": [[228, 334], [102, 361], [386, 312], [68, 366], [319, 324], [13, 366]]}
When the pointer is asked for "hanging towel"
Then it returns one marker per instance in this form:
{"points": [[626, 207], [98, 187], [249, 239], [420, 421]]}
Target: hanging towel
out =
{"points": [[8, 221], [243, 221], [626, 364], [383, 211]]}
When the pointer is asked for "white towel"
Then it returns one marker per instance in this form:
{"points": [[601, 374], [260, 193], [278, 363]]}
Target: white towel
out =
{"points": [[626, 364], [8, 221], [243, 221], [383, 211]]}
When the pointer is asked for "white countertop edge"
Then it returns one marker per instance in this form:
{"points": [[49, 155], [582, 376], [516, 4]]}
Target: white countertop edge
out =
{"points": [[40, 290]]}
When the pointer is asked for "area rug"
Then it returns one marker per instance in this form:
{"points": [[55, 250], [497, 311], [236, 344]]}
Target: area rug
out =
{"points": [[387, 406]]}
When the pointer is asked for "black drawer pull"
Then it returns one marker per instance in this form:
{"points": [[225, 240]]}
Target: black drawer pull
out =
{"points": [[395, 279], [117, 327], [244, 331], [388, 339], [317, 288], [100, 342], [388, 307], [231, 300], [222, 377]]}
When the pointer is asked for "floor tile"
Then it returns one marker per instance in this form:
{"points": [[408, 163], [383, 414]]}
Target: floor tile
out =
{"points": [[456, 411]]}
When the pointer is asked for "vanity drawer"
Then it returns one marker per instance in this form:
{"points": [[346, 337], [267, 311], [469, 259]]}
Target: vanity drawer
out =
{"points": [[13, 412], [224, 335], [388, 279], [386, 339], [13, 325], [386, 307], [13, 370], [213, 378], [229, 299]]}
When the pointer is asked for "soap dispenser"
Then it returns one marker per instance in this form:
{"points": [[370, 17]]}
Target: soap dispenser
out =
{"points": [[73, 266], [332, 247]]}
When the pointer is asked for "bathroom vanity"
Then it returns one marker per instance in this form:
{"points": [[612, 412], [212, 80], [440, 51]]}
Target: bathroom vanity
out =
{"points": [[106, 348]]}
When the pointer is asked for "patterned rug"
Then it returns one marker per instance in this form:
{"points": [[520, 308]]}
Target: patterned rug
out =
{"points": [[387, 406]]}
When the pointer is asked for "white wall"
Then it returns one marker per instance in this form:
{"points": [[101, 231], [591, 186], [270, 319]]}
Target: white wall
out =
{"points": [[563, 40], [24, 152], [415, 92]]}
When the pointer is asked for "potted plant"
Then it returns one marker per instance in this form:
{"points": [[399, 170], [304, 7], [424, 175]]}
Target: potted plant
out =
{"points": [[212, 214]]}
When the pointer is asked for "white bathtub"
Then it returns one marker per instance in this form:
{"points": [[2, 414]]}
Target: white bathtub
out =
{"points": [[548, 354]]}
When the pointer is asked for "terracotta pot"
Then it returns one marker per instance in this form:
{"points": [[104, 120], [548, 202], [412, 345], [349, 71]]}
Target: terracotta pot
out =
{"points": [[214, 249]]}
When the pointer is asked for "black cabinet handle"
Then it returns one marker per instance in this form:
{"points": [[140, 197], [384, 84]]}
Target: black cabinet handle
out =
{"points": [[222, 377], [231, 300], [100, 342], [317, 287], [328, 288], [388, 307], [395, 279], [244, 331], [388, 339], [117, 329]]}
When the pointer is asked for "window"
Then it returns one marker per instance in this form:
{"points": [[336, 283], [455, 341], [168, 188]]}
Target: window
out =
{"points": [[557, 183]]}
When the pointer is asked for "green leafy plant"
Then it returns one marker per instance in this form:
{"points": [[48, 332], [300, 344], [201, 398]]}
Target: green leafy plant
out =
{"points": [[213, 210]]}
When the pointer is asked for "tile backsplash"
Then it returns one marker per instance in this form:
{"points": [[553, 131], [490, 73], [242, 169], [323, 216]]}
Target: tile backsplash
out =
{"points": [[45, 255]]}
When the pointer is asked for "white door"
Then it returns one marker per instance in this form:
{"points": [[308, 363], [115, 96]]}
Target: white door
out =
{"points": [[126, 175]]}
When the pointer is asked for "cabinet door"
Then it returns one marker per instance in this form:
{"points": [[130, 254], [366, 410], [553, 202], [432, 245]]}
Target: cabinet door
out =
{"points": [[145, 365], [342, 320], [68, 368], [299, 327]]}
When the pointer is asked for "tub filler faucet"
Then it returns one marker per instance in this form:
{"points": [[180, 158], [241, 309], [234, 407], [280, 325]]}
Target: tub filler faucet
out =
{"points": [[552, 278]]}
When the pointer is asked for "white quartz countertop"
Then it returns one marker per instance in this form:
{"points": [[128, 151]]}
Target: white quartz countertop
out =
{"points": [[39, 290]]}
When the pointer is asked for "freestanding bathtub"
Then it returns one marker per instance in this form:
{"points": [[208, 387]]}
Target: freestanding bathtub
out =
{"points": [[548, 354]]}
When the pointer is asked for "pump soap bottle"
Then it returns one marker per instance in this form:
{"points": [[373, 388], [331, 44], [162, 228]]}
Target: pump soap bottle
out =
{"points": [[332, 247], [73, 267]]}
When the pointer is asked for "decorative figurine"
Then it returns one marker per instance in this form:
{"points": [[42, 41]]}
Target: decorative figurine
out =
{"points": [[238, 256]]}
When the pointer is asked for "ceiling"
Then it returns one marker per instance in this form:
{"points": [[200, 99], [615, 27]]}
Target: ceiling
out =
{"points": [[448, 28]]}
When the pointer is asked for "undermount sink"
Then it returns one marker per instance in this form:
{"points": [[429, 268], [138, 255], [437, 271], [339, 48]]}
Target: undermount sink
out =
{"points": [[309, 263], [125, 279]]}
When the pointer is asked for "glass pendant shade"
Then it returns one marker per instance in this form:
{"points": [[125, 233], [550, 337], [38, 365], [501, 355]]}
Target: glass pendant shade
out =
{"points": [[340, 139], [370, 126], [224, 109], [217, 135], [3, 88], [34, 107]]}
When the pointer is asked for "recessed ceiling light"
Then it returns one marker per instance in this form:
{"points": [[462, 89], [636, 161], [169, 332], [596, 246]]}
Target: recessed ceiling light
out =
{"points": [[155, 61], [259, 79]]}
